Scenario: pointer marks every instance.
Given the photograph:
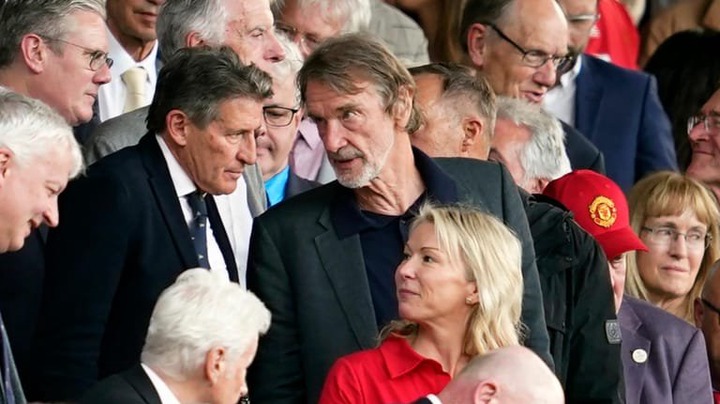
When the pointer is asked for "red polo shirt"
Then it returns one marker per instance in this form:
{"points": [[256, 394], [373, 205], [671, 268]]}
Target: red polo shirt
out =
{"points": [[391, 373]]}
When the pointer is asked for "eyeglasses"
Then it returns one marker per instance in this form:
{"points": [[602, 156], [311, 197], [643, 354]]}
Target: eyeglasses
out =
{"points": [[308, 41], [694, 240], [279, 117], [98, 58], [583, 21], [537, 58], [711, 123], [710, 306]]}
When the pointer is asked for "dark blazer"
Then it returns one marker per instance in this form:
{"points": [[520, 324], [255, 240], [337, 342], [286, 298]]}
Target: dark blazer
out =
{"points": [[676, 369], [581, 152], [121, 241], [315, 284], [620, 112], [130, 387]]}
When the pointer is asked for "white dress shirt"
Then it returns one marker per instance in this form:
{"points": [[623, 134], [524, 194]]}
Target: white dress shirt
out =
{"points": [[111, 96], [560, 100], [232, 208], [166, 395]]}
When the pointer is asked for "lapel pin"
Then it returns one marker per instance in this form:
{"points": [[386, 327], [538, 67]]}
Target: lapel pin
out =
{"points": [[639, 356]]}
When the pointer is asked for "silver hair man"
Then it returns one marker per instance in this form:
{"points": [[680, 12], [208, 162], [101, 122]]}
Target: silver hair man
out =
{"points": [[530, 142], [38, 154]]}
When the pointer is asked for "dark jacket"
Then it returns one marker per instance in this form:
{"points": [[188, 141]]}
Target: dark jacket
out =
{"points": [[578, 302]]}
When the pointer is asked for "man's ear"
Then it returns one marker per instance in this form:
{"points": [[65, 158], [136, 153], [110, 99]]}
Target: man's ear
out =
{"points": [[476, 37], [193, 39], [472, 133], [34, 52], [177, 124], [404, 105], [6, 157], [215, 364], [485, 392]]}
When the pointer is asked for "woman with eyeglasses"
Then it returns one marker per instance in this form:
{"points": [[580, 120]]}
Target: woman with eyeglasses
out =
{"points": [[677, 219]]}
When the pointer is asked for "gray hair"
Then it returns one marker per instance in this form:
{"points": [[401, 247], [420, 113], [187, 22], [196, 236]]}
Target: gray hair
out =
{"points": [[46, 18], [201, 311], [353, 14], [462, 86], [31, 130], [289, 67], [482, 12], [544, 154], [178, 18], [340, 63], [197, 80]]}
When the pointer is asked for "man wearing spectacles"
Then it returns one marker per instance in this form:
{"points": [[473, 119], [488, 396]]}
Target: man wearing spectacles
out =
{"points": [[282, 114], [707, 318], [704, 134], [617, 109], [521, 48]]}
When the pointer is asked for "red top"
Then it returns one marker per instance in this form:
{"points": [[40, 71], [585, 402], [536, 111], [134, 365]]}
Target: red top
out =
{"points": [[391, 373], [614, 37], [716, 396]]}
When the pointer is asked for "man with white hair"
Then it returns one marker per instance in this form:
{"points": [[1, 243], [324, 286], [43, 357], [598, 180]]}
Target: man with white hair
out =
{"points": [[510, 375], [530, 142], [202, 337], [38, 154]]}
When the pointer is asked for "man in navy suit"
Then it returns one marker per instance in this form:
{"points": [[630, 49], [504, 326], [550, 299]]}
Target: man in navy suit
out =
{"points": [[617, 109], [145, 214]]}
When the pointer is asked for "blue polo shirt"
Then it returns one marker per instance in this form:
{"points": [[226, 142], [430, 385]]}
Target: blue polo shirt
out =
{"points": [[383, 237], [275, 186]]}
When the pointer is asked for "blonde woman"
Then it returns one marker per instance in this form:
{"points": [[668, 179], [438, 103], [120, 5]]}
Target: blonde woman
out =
{"points": [[459, 290], [677, 219]]}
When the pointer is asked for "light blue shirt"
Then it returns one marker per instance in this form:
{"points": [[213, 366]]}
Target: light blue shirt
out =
{"points": [[275, 186]]}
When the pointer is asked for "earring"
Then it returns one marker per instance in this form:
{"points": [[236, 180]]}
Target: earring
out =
{"points": [[468, 300]]}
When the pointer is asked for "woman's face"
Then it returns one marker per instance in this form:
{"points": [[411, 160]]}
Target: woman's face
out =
{"points": [[431, 287], [671, 265]]}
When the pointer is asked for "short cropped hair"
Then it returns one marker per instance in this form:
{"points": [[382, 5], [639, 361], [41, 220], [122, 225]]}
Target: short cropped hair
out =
{"points": [[31, 130], [462, 86], [354, 15], [482, 12], [492, 257], [46, 18], [178, 18], [197, 80], [544, 155], [201, 311], [340, 63]]}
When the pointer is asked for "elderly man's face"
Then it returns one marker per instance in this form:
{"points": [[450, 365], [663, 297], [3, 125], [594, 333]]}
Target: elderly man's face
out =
{"points": [[133, 20], [357, 132], [507, 146], [250, 33], [307, 28], [705, 142], [534, 25], [28, 195], [70, 86], [441, 134], [275, 143], [215, 156], [232, 385]]}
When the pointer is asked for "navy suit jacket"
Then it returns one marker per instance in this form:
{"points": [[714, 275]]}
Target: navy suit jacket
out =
{"points": [[130, 387], [122, 240], [676, 369], [620, 112]]}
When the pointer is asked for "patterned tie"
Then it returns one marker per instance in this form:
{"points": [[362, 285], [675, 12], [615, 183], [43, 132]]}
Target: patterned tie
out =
{"points": [[134, 79], [198, 232]]}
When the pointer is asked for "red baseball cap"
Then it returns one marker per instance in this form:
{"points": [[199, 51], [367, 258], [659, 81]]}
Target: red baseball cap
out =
{"points": [[600, 208]]}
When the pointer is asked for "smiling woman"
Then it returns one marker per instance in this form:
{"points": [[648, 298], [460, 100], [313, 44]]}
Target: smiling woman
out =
{"points": [[677, 218], [459, 291]]}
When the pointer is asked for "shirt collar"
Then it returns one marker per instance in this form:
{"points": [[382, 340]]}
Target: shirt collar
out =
{"points": [[400, 358], [182, 182], [166, 395], [348, 219], [309, 132], [123, 61]]}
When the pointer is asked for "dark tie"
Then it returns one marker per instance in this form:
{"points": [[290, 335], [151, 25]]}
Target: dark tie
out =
{"points": [[5, 371], [197, 227]]}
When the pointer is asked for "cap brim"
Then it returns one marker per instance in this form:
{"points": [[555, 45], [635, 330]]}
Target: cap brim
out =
{"points": [[620, 241]]}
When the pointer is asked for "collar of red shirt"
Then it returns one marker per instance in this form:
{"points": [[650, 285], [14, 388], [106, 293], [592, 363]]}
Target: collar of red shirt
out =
{"points": [[400, 358]]}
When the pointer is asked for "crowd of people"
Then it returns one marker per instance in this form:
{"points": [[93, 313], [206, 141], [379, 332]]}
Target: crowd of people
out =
{"points": [[359, 201]]}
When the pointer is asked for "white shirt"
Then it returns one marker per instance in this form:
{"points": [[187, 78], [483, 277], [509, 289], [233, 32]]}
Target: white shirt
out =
{"points": [[111, 96], [166, 395], [560, 100], [234, 213], [431, 397]]}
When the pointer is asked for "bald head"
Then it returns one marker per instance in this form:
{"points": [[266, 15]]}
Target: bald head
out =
{"points": [[508, 376]]}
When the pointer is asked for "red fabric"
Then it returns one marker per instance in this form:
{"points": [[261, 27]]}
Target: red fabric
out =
{"points": [[392, 373], [615, 38], [716, 396]]}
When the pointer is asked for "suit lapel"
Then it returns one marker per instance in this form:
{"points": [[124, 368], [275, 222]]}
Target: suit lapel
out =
{"points": [[344, 264], [218, 230], [632, 340], [588, 97], [257, 202], [166, 198], [140, 381]]}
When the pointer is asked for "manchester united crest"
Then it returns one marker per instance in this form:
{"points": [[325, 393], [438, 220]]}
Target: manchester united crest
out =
{"points": [[603, 211]]}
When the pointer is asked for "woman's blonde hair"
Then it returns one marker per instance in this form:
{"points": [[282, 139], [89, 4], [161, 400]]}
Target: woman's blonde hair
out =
{"points": [[668, 193], [492, 257]]}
